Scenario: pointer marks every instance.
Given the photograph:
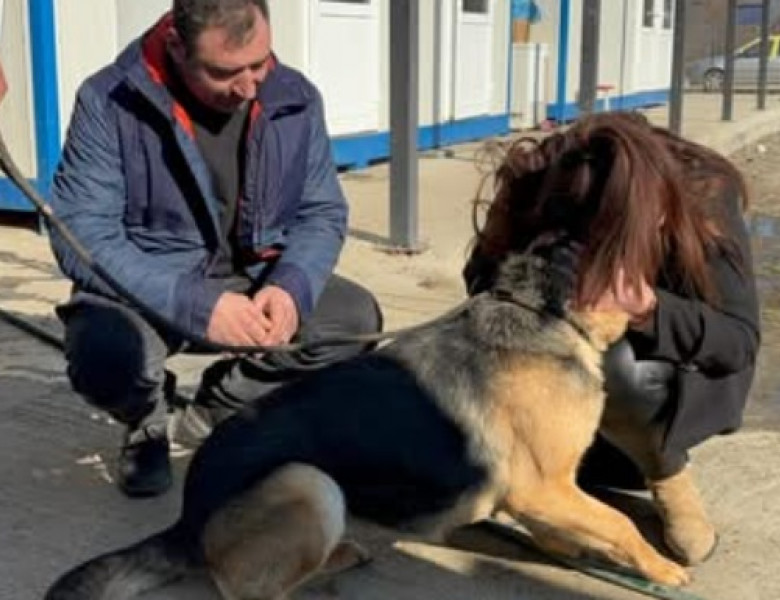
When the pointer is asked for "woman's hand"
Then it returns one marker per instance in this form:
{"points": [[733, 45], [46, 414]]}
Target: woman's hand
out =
{"points": [[639, 301]]}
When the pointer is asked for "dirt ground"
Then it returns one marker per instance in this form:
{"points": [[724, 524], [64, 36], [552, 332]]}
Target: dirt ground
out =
{"points": [[760, 166]]}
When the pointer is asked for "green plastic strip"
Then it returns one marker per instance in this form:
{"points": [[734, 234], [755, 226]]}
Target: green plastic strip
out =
{"points": [[625, 580]]}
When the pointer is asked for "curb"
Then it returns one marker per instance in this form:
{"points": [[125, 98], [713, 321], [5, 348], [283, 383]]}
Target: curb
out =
{"points": [[733, 136]]}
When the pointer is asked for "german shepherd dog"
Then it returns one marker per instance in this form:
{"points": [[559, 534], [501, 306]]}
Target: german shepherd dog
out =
{"points": [[490, 409]]}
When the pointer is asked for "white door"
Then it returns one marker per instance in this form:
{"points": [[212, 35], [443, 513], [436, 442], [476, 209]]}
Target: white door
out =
{"points": [[473, 68], [654, 45], [344, 62]]}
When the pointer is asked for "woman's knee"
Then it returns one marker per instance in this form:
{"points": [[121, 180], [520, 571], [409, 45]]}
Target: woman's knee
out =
{"points": [[638, 389]]}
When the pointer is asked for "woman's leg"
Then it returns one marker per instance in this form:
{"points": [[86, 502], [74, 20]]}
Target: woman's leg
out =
{"points": [[640, 402]]}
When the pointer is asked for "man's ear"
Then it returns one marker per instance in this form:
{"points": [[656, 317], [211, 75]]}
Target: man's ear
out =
{"points": [[175, 46]]}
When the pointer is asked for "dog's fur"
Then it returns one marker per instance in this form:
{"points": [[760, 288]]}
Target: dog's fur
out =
{"points": [[489, 410]]}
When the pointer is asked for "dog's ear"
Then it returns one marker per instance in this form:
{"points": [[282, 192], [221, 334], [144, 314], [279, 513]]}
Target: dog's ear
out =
{"points": [[604, 326]]}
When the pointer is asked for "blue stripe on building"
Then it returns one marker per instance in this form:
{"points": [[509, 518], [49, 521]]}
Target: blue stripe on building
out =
{"points": [[45, 105], [568, 111], [559, 112], [362, 150]]}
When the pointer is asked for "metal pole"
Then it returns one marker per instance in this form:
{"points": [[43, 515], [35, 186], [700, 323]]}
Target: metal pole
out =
{"points": [[589, 67], [678, 68], [438, 12], [763, 60], [454, 40], [728, 75], [404, 36], [623, 53]]}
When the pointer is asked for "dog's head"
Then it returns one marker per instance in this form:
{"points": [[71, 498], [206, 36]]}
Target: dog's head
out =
{"points": [[545, 278]]}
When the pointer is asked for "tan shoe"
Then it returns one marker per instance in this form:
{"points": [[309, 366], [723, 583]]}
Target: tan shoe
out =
{"points": [[687, 529]]}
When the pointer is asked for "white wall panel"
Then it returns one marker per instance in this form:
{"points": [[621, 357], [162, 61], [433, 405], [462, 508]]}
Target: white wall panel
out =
{"points": [[290, 30], [86, 42], [16, 112], [136, 16]]}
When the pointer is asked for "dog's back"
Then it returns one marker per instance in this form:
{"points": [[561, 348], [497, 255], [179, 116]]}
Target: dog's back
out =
{"points": [[372, 424]]}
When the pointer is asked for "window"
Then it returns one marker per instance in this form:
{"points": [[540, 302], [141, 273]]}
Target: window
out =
{"points": [[477, 7], [753, 50], [648, 14], [347, 1], [668, 13]]}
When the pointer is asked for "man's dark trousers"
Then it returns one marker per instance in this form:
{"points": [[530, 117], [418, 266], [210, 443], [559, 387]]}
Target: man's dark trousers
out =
{"points": [[116, 359]]}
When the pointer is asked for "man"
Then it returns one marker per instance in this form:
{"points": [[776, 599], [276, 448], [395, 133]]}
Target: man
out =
{"points": [[197, 171]]}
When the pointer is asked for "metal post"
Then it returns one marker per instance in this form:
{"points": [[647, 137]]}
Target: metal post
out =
{"points": [[623, 53], [763, 61], [438, 21], [404, 33], [678, 68], [728, 74], [589, 67], [454, 41]]}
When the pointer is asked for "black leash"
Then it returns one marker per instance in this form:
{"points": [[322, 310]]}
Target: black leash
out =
{"points": [[9, 167], [40, 333]]}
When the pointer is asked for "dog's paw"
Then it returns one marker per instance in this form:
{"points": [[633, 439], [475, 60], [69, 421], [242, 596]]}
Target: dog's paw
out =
{"points": [[346, 555], [668, 573]]}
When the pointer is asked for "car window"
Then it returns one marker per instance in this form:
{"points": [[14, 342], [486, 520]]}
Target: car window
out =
{"points": [[752, 51]]}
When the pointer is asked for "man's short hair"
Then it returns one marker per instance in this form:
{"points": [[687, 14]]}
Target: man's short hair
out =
{"points": [[192, 17]]}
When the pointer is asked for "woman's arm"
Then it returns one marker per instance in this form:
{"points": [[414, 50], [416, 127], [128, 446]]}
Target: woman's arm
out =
{"points": [[720, 338]]}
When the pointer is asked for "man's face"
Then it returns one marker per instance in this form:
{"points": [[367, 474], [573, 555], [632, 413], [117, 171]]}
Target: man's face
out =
{"points": [[223, 74]]}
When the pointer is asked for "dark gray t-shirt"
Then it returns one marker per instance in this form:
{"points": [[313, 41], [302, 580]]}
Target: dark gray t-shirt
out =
{"points": [[220, 138]]}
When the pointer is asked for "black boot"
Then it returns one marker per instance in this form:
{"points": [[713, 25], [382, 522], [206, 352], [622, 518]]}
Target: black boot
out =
{"points": [[144, 467]]}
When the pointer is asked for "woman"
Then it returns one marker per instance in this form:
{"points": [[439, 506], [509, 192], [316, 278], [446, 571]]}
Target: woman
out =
{"points": [[656, 224]]}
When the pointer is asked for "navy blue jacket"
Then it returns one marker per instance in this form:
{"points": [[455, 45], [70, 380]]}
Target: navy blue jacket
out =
{"points": [[135, 190]]}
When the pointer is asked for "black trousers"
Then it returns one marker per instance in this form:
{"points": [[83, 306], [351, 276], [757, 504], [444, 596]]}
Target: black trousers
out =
{"points": [[116, 359], [629, 447]]}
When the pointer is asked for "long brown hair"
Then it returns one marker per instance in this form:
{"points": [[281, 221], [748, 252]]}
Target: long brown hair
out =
{"points": [[634, 195]]}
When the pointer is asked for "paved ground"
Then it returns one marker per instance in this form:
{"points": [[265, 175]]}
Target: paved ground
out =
{"points": [[58, 506]]}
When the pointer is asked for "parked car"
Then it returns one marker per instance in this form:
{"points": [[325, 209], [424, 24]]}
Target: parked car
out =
{"points": [[709, 72]]}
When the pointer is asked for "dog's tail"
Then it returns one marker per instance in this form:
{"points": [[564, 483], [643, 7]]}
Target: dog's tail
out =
{"points": [[126, 573], [277, 534]]}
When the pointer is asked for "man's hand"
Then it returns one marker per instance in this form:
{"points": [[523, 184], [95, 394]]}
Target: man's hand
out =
{"points": [[278, 308], [638, 301], [236, 321]]}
